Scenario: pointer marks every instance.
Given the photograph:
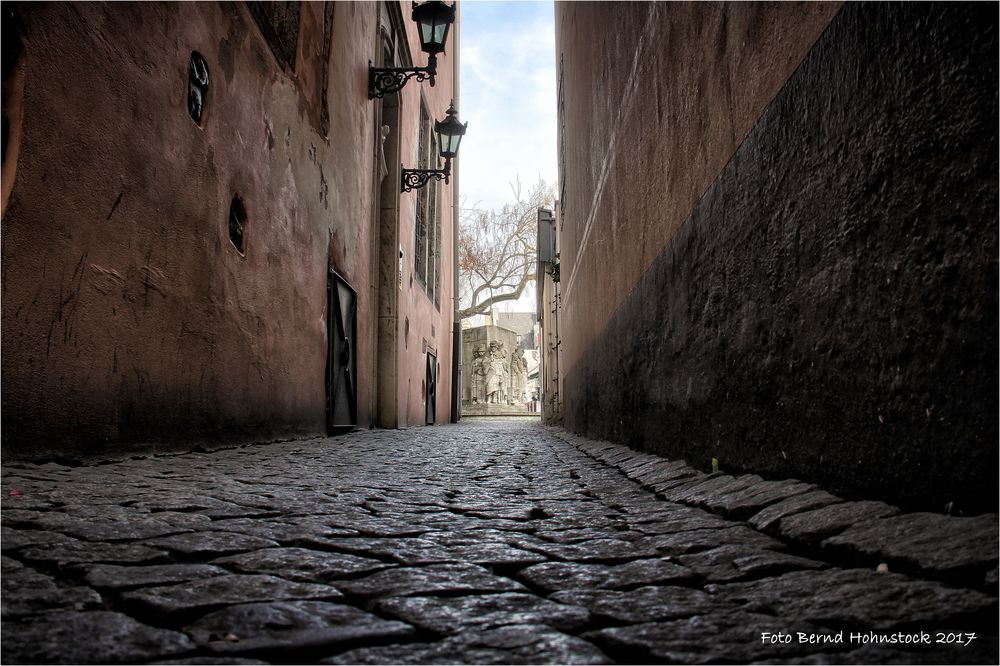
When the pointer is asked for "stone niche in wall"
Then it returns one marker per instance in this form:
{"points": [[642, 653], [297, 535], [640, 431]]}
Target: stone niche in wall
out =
{"points": [[494, 372]]}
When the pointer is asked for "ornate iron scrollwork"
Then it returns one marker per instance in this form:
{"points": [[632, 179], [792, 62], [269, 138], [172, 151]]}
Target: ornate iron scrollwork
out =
{"points": [[414, 179], [387, 80]]}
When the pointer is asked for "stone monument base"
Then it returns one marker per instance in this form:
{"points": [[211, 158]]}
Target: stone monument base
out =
{"points": [[490, 409]]}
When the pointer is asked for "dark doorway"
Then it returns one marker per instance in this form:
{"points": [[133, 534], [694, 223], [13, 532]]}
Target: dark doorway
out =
{"points": [[431, 387], [341, 362]]}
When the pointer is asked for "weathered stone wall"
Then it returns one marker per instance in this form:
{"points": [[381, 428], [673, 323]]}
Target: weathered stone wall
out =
{"points": [[129, 317], [828, 308]]}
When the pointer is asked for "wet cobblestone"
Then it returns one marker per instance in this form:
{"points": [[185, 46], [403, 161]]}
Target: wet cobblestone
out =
{"points": [[485, 542]]}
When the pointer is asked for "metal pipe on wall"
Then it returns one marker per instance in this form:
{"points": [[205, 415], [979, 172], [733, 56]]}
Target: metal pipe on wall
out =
{"points": [[456, 215]]}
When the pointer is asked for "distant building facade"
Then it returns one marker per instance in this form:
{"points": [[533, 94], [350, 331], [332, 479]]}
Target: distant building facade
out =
{"points": [[494, 372], [522, 323], [777, 241], [203, 230]]}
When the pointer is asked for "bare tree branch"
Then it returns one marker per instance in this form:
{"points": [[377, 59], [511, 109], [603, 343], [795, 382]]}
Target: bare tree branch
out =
{"points": [[497, 258]]}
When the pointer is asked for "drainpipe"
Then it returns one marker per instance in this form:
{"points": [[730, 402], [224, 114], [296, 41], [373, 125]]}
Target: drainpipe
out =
{"points": [[456, 214]]}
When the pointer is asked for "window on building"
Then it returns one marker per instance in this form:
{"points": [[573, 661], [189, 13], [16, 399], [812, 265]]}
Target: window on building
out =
{"points": [[436, 283], [433, 230], [427, 226], [421, 220]]}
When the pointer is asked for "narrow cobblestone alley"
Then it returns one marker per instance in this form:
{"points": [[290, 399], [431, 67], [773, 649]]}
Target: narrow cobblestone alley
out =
{"points": [[483, 542]]}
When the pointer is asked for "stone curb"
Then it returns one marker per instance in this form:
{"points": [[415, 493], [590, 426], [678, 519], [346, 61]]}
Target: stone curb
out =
{"points": [[961, 551]]}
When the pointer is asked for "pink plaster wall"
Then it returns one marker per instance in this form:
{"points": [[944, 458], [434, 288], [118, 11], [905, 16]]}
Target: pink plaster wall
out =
{"points": [[426, 322], [128, 315]]}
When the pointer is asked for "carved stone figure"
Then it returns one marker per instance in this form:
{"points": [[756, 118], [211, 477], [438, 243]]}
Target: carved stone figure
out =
{"points": [[496, 374], [479, 368], [383, 170], [518, 376]]}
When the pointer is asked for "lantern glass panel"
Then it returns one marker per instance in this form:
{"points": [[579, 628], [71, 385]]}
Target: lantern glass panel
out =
{"points": [[440, 33], [426, 32], [449, 144]]}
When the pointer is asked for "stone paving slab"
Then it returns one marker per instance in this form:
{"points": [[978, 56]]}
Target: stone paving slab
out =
{"points": [[495, 554], [283, 531], [767, 518], [212, 660], [660, 470], [810, 518], [815, 525], [643, 604], [577, 535], [209, 543], [681, 523], [745, 502], [732, 562], [94, 637], [555, 576], [597, 550], [861, 598], [119, 527], [11, 539], [431, 579], [711, 488], [492, 542], [300, 564], [402, 550], [61, 553], [514, 644], [929, 542], [455, 614], [693, 541], [116, 577], [210, 593], [26, 591], [723, 636], [288, 628], [677, 485]]}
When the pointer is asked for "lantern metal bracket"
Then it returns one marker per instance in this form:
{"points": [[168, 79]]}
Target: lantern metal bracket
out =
{"points": [[414, 179], [387, 80]]}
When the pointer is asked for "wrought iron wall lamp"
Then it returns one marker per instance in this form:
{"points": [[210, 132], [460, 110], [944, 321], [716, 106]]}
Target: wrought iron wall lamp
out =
{"points": [[450, 133], [433, 18]]}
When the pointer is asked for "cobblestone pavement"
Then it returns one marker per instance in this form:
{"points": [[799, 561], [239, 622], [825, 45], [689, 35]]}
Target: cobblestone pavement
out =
{"points": [[484, 542]]}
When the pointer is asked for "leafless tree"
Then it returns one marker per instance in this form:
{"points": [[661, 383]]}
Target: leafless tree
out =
{"points": [[496, 249]]}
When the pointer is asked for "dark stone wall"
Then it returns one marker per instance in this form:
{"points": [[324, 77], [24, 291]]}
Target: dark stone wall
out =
{"points": [[829, 309]]}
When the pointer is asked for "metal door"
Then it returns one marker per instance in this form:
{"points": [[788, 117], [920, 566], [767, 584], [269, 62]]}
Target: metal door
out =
{"points": [[431, 388], [341, 364]]}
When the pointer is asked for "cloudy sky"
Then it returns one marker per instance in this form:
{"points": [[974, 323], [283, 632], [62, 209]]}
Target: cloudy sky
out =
{"points": [[508, 96]]}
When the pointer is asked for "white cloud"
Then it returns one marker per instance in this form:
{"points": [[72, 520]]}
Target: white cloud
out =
{"points": [[508, 97]]}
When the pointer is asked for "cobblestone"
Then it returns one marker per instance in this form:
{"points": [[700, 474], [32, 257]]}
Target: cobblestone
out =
{"points": [[304, 626], [484, 542], [454, 614]]}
